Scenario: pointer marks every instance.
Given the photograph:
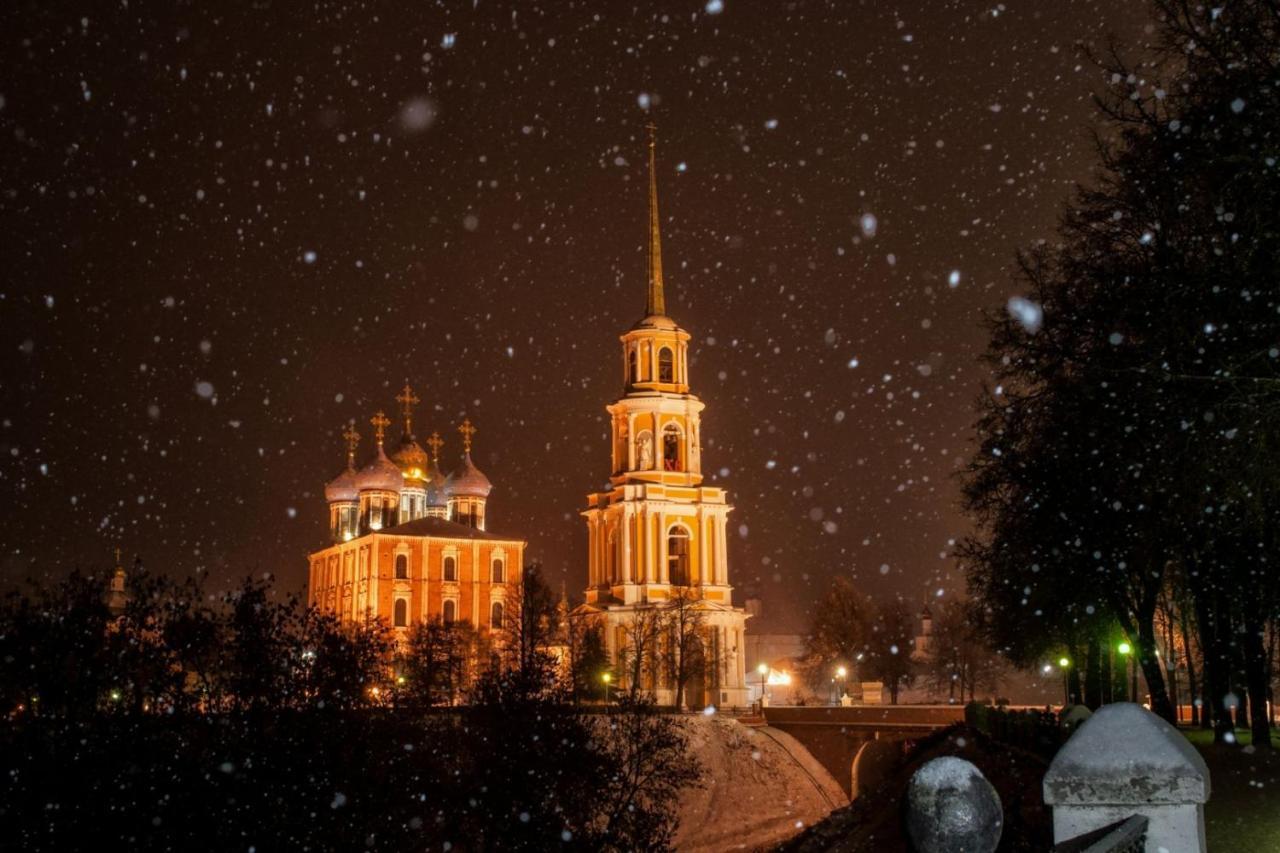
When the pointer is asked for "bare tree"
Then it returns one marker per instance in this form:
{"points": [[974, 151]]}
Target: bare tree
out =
{"points": [[959, 660], [640, 654], [684, 651]]}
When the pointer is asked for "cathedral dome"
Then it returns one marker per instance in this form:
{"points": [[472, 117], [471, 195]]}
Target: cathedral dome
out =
{"points": [[467, 481], [380, 475], [436, 495], [411, 459], [342, 487]]}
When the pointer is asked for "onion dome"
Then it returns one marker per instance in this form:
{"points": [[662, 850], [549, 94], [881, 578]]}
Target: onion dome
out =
{"points": [[412, 460], [467, 481], [410, 456], [380, 475], [343, 487], [435, 477]]}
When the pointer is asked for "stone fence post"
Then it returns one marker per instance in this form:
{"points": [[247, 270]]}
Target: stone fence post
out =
{"points": [[1122, 761]]}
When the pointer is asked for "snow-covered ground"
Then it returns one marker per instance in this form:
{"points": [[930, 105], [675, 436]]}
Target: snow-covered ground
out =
{"points": [[760, 787]]}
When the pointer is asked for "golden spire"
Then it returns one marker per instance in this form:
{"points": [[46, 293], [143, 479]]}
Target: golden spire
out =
{"points": [[407, 401], [435, 443], [657, 301], [380, 423], [353, 439], [118, 557], [467, 431]]}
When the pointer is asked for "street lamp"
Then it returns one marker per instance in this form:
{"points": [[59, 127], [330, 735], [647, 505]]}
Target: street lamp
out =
{"points": [[1127, 650], [1066, 683], [763, 669], [841, 672], [606, 678]]}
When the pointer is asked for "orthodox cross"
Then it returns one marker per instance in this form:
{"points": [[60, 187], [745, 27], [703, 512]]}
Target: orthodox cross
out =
{"points": [[435, 443], [467, 431], [353, 439], [380, 423], [407, 401]]}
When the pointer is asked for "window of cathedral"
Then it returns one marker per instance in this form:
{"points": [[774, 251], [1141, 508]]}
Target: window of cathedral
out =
{"points": [[495, 615], [671, 448], [402, 566], [499, 572], [450, 568], [678, 556], [450, 611], [401, 618], [666, 366], [635, 365]]}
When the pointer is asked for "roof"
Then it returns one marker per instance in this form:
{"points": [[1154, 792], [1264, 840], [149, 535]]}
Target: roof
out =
{"points": [[380, 475], [444, 529], [468, 480], [342, 487]]}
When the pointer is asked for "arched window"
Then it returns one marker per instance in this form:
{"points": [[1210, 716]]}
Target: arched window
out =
{"points": [[402, 613], [499, 572], [450, 611], [635, 365], [495, 615], [666, 366], [402, 566], [678, 555], [450, 568], [671, 448]]}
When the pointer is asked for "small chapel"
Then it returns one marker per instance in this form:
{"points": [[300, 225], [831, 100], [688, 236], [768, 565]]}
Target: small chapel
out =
{"points": [[408, 543], [657, 537]]}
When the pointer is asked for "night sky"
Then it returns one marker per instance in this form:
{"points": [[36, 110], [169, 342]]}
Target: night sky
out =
{"points": [[226, 234]]}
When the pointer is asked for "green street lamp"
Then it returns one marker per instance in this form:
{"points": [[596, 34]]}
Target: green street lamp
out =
{"points": [[1127, 650]]}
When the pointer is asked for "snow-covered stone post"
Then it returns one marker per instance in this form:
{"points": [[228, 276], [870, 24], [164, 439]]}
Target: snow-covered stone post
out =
{"points": [[1122, 761]]}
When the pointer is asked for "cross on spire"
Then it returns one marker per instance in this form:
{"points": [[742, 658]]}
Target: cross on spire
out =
{"points": [[380, 423], [353, 439], [657, 303], [117, 555], [467, 431], [407, 401], [435, 443]]}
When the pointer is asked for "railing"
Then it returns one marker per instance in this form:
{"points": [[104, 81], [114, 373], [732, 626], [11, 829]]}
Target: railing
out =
{"points": [[1125, 836]]}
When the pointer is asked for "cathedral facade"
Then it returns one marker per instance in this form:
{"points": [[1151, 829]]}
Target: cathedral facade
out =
{"points": [[409, 543], [658, 536]]}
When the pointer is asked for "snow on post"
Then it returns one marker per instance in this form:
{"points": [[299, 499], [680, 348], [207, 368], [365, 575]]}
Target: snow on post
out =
{"points": [[1122, 761]]}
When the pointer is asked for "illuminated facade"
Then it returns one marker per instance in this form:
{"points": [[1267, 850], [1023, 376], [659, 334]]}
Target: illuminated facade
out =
{"points": [[410, 544], [658, 534]]}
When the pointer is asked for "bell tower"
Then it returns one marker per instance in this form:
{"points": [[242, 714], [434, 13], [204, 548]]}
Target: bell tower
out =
{"points": [[658, 534]]}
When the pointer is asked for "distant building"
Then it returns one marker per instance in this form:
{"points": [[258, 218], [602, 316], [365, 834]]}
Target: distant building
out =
{"points": [[410, 544]]}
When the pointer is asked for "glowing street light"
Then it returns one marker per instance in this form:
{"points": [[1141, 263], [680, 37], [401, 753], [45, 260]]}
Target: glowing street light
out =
{"points": [[1066, 681], [1125, 649], [763, 669], [606, 678]]}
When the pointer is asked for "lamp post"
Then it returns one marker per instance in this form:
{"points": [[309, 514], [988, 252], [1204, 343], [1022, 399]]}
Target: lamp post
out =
{"points": [[1066, 682], [841, 672], [1127, 650], [763, 669], [606, 678]]}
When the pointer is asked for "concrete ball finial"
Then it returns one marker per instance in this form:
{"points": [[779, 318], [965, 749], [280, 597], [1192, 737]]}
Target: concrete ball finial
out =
{"points": [[952, 808]]}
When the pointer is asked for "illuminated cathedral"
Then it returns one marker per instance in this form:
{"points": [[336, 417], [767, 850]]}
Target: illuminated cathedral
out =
{"points": [[657, 537], [410, 543]]}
